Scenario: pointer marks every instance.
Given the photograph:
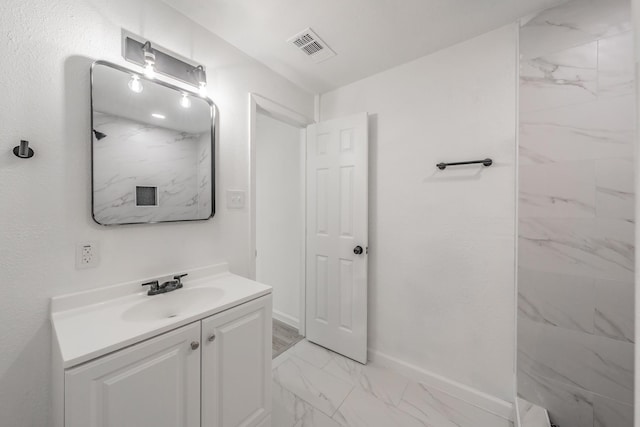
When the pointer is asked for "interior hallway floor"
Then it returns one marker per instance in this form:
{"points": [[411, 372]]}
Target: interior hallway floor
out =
{"points": [[314, 387], [283, 338]]}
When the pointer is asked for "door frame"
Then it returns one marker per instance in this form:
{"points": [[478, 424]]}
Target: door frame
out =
{"points": [[261, 104]]}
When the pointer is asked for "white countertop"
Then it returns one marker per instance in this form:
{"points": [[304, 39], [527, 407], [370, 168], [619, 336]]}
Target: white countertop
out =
{"points": [[91, 324]]}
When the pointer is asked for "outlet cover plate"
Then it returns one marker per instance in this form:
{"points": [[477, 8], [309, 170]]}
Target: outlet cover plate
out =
{"points": [[87, 255]]}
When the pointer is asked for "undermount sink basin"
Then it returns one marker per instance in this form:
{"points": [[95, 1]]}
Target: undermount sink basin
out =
{"points": [[180, 302]]}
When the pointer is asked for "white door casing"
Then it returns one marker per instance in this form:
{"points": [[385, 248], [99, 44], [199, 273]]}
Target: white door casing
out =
{"points": [[337, 223]]}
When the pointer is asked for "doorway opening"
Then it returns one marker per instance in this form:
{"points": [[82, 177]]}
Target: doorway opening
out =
{"points": [[278, 141], [309, 223]]}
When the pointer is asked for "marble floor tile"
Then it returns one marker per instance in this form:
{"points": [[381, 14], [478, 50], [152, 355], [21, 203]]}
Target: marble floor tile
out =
{"points": [[532, 415], [361, 409], [379, 382], [322, 390], [436, 408], [288, 410], [316, 355], [280, 359], [562, 78], [347, 394], [614, 310]]}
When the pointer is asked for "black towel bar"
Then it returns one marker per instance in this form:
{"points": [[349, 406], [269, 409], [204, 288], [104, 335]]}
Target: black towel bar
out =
{"points": [[486, 162]]}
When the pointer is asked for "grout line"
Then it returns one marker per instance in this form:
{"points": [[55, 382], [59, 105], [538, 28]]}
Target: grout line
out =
{"points": [[404, 390], [343, 401]]}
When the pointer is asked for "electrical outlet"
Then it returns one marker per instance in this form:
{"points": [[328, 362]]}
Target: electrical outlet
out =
{"points": [[235, 199], [87, 255]]}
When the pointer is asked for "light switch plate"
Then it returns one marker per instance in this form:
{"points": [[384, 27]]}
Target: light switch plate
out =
{"points": [[235, 199]]}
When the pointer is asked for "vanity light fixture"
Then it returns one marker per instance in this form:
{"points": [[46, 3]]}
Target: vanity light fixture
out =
{"points": [[185, 102], [159, 116], [159, 61], [135, 84], [149, 60]]}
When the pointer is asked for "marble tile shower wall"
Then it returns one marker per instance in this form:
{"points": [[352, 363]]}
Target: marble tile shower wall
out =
{"points": [[133, 154], [576, 215], [205, 182]]}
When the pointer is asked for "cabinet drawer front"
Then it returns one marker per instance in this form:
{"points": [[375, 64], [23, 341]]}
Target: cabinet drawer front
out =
{"points": [[154, 383], [236, 366]]}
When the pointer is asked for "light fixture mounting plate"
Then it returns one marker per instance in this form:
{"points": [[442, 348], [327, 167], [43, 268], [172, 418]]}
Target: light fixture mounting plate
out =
{"points": [[166, 63]]}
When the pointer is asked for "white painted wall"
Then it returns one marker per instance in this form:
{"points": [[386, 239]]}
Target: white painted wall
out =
{"points": [[46, 49], [279, 214], [441, 273]]}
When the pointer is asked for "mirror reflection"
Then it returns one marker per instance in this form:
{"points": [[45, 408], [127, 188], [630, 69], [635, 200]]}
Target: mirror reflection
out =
{"points": [[152, 150]]}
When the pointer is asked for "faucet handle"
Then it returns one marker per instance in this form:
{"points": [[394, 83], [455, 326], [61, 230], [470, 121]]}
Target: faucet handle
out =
{"points": [[178, 277], [154, 285]]}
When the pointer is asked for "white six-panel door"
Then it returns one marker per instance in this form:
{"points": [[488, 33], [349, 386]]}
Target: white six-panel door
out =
{"points": [[337, 228]]}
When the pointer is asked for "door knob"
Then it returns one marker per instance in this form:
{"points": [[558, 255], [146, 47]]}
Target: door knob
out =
{"points": [[195, 345], [212, 337], [357, 250]]}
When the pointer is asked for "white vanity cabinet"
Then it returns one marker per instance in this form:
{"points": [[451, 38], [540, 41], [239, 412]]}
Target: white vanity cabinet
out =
{"points": [[154, 383], [214, 372], [236, 366]]}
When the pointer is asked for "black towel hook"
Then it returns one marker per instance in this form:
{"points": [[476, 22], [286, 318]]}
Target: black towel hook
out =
{"points": [[23, 151]]}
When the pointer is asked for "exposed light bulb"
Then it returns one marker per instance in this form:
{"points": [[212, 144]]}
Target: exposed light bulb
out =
{"points": [[202, 90], [135, 84], [185, 102], [201, 77], [149, 60], [149, 71]]}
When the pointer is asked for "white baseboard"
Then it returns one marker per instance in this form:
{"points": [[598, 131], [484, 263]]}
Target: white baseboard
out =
{"points": [[463, 392], [285, 318]]}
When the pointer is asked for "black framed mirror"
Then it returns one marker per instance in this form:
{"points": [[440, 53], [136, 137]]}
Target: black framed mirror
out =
{"points": [[153, 147]]}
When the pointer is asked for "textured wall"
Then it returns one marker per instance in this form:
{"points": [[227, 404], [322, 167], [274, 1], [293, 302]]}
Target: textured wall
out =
{"points": [[442, 243], [576, 213], [46, 49]]}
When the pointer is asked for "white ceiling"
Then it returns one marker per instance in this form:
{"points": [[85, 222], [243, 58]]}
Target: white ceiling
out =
{"points": [[369, 36]]}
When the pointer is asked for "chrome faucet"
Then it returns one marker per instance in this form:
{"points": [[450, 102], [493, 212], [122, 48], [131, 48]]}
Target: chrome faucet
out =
{"points": [[156, 288]]}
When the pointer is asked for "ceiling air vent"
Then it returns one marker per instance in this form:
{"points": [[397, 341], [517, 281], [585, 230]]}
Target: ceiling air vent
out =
{"points": [[312, 46]]}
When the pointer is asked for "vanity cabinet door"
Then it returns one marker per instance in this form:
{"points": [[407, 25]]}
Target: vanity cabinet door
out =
{"points": [[153, 383], [236, 366]]}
